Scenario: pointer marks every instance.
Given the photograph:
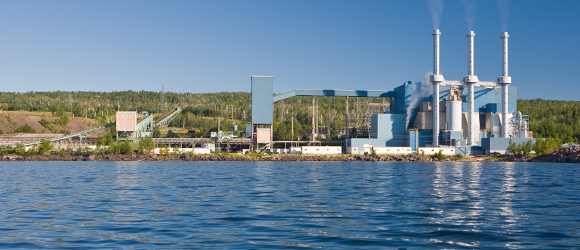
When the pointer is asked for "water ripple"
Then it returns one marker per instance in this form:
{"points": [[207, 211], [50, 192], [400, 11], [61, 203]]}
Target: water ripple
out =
{"points": [[283, 205]]}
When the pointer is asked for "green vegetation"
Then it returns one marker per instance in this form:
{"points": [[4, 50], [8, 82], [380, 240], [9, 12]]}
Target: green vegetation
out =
{"points": [[553, 119], [63, 120], [200, 111], [545, 146], [45, 123], [27, 129], [541, 147], [45, 147], [439, 156], [146, 145], [125, 148], [106, 140]]}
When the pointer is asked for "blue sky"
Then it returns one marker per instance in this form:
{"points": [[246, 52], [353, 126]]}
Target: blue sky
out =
{"points": [[214, 46]]}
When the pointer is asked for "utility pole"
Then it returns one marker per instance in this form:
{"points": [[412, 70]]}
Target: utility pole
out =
{"points": [[218, 133], [313, 120], [347, 117], [292, 140]]}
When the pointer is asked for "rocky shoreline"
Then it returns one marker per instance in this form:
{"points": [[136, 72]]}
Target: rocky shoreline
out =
{"points": [[565, 155], [231, 157], [562, 155], [185, 157]]}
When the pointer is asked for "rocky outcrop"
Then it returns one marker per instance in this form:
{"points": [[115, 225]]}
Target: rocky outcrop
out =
{"points": [[568, 155]]}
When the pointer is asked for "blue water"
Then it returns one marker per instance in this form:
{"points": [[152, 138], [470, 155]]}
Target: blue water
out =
{"points": [[269, 205]]}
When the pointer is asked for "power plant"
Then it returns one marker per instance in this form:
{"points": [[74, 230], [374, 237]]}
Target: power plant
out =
{"points": [[469, 117]]}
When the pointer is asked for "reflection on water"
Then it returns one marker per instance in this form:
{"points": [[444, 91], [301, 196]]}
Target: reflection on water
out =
{"points": [[253, 205], [127, 201]]}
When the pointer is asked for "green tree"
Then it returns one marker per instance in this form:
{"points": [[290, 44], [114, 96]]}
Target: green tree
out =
{"points": [[27, 129], [45, 147], [526, 148], [146, 145], [45, 123], [114, 148], [156, 132], [513, 148], [19, 149], [63, 120], [126, 148]]}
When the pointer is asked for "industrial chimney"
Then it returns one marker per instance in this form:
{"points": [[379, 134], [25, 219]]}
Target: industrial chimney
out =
{"points": [[504, 81], [436, 78], [470, 79]]}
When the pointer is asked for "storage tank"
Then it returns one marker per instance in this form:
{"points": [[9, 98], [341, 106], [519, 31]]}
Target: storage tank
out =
{"points": [[454, 110]]}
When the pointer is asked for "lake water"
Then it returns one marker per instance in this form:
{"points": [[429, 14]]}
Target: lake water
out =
{"points": [[270, 205]]}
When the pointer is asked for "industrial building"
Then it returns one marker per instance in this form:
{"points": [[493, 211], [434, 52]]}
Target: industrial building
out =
{"points": [[467, 116]]}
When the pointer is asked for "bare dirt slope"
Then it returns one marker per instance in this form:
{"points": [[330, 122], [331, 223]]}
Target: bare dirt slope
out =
{"points": [[10, 122]]}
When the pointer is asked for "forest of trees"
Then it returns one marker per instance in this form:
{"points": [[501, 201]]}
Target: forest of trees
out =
{"points": [[200, 111], [549, 119], [553, 119]]}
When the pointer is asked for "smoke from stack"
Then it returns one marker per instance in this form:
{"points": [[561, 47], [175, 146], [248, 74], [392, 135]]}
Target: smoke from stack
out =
{"points": [[469, 6], [435, 7], [504, 13], [425, 90]]}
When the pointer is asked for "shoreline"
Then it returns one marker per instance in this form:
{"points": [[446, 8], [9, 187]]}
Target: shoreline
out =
{"points": [[234, 157], [565, 155]]}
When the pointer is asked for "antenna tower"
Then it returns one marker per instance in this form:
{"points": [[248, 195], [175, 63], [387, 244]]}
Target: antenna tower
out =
{"points": [[162, 105]]}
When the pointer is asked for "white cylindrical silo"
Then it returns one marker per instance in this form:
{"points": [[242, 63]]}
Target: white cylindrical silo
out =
{"points": [[453, 114]]}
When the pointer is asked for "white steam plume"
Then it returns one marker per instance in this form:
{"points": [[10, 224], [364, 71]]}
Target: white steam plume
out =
{"points": [[504, 13], [435, 7], [469, 6], [425, 90]]}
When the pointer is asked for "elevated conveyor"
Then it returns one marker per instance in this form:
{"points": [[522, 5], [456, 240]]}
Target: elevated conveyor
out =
{"points": [[166, 119], [89, 131], [334, 92]]}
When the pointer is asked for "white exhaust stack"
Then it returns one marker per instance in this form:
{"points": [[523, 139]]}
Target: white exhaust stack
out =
{"points": [[504, 81], [470, 79], [436, 78]]}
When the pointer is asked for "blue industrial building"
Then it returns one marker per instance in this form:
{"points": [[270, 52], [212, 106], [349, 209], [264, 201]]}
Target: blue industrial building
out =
{"points": [[398, 127]]}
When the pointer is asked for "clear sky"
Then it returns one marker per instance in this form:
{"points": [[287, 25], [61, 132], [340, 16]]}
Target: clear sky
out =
{"points": [[214, 46]]}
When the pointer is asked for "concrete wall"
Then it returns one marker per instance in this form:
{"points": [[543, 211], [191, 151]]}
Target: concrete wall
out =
{"points": [[262, 99], [392, 150], [434, 150], [325, 150]]}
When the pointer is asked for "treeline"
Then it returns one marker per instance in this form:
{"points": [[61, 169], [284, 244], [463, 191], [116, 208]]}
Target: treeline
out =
{"points": [[553, 119], [200, 111], [548, 119]]}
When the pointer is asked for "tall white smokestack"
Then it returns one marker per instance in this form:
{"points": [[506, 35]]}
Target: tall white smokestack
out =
{"points": [[436, 34], [436, 78], [470, 79], [504, 81]]}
